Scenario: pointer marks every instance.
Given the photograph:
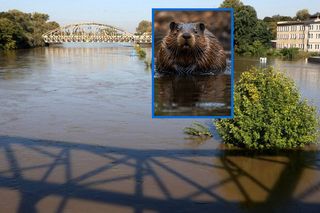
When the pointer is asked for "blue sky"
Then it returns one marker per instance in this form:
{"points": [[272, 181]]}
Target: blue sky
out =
{"points": [[126, 14]]}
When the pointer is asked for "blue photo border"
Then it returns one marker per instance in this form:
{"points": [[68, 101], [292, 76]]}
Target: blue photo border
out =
{"points": [[232, 63]]}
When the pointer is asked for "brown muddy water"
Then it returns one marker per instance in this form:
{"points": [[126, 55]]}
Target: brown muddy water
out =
{"points": [[76, 135]]}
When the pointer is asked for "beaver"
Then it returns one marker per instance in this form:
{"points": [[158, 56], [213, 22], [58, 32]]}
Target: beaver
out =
{"points": [[189, 48]]}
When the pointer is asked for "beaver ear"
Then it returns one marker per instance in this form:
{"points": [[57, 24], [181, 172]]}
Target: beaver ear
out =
{"points": [[202, 26], [173, 25]]}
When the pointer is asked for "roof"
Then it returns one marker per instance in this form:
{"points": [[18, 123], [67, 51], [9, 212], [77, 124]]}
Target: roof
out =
{"points": [[290, 22], [317, 19]]}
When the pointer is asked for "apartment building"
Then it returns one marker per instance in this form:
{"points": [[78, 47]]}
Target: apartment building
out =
{"points": [[304, 35]]}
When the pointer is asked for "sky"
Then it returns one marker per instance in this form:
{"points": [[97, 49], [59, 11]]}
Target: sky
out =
{"points": [[126, 14]]}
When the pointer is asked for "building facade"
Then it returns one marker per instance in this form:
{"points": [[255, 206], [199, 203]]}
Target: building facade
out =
{"points": [[304, 35]]}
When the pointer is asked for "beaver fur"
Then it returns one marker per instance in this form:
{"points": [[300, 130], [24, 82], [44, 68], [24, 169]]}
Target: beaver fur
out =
{"points": [[189, 48]]}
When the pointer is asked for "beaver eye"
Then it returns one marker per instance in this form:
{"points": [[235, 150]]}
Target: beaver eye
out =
{"points": [[178, 29], [195, 31]]}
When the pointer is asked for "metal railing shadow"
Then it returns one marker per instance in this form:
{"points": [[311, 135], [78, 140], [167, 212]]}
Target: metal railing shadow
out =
{"points": [[42, 158]]}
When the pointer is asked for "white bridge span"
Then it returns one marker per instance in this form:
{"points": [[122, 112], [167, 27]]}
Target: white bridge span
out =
{"points": [[93, 32]]}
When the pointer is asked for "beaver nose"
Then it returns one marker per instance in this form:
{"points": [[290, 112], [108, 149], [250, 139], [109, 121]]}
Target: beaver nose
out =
{"points": [[186, 35]]}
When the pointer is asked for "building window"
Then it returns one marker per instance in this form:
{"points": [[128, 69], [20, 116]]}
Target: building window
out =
{"points": [[311, 27]]}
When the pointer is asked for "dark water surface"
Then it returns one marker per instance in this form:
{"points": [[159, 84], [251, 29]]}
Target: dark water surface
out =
{"points": [[76, 135], [193, 95]]}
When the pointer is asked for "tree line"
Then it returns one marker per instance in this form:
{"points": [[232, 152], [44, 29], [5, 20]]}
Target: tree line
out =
{"points": [[23, 30], [252, 36], [144, 26]]}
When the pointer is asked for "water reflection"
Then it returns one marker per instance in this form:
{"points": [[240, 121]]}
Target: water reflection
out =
{"points": [[192, 95], [62, 58]]}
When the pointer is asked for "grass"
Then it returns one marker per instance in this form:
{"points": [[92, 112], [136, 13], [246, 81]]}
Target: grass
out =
{"points": [[198, 129]]}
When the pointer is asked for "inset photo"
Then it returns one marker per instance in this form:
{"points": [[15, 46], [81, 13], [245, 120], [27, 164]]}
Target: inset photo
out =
{"points": [[192, 54]]}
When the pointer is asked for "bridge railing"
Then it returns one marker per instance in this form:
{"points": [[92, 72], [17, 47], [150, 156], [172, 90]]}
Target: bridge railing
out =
{"points": [[93, 32]]}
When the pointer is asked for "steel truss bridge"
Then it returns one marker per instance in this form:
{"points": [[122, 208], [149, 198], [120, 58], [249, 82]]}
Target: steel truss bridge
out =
{"points": [[93, 32]]}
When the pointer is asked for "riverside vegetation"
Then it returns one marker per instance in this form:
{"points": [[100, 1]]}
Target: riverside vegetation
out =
{"points": [[252, 36], [23, 30], [268, 114], [142, 55], [144, 26], [268, 110]]}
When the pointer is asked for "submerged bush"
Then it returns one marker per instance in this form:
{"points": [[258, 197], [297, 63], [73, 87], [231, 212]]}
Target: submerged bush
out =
{"points": [[148, 64], [269, 113], [141, 53], [290, 53], [198, 129]]}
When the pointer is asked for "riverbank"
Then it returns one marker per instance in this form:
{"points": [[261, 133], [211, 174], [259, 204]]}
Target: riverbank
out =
{"points": [[284, 54]]}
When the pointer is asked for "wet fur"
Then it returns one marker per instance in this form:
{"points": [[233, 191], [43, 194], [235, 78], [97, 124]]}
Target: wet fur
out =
{"points": [[205, 54]]}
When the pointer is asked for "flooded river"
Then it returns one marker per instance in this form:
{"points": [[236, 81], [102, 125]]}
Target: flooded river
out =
{"points": [[76, 135]]}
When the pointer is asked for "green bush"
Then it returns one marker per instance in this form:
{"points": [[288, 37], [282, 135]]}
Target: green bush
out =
{"points": [[290, 53], [198, 129], [141, 52], [269, 113], [273, 52]]}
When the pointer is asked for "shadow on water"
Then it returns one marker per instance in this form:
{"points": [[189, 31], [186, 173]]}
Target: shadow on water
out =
{"points": [[192, 95], [156, 180]]}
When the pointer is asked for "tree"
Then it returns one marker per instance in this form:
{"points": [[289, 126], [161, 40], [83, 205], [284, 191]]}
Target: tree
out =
{"points": [[144, 26], [22, 30], [235, 4], [262, 33], [276, 18], [272, 23], [40, 17], [244, 25], [11, 35], [303, 15], [248, 29]]}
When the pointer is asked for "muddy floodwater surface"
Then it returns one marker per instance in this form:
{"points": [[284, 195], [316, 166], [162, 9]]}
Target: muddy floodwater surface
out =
{"points": [[76, 135]]}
